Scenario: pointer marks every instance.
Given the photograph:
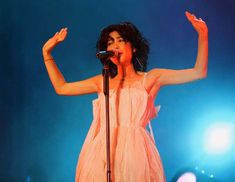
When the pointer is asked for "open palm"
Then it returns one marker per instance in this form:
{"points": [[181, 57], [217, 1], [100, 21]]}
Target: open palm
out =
{"points": [[56, 39], [199, 25]]}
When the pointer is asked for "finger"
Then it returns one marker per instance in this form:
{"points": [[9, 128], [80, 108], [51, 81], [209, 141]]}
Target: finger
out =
{"points": [[196, 20], [63, 35], [63, 31], [56, 34], [188, 13], [194, 16], [190, 16], [201, 20]]}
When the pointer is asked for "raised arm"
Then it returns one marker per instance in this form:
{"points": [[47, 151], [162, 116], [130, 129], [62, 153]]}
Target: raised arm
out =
{"points": [[59, 83], [199, 71]]}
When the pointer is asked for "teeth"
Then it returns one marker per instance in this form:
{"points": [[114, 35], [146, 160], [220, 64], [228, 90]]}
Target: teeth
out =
{"points": [[117, 54]]}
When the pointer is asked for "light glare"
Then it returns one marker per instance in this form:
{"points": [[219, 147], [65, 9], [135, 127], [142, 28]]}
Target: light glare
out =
{"points": [[187, 177], [218, 138]]}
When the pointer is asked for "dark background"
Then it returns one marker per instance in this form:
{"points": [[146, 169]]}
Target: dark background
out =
{"points": [[41, 133]]}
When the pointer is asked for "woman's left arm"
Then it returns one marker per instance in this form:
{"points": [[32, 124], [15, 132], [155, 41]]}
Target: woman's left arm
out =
{"points": [[199, 71]]}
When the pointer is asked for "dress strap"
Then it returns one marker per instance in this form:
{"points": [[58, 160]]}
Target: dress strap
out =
{"points": [[156, 110], [144, 79], [151, 131]]}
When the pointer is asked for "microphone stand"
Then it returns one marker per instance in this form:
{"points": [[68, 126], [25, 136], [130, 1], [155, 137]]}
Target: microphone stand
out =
{"points": [[106, 93]]}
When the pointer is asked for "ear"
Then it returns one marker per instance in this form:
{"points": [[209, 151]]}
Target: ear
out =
{"points": [[134, 50]]}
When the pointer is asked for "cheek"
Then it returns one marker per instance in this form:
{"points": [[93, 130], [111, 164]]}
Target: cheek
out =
{"points": [[129, 55], [128, 52], [108, 48]]}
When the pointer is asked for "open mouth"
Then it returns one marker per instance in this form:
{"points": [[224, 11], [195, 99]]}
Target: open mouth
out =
{"points": [[119, 54]]}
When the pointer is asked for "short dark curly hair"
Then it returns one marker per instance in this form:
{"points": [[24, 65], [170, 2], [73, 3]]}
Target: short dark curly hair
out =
{"points": [[131, 34]]}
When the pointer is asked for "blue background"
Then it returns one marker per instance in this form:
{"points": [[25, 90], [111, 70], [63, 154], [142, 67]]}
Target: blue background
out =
{"points": [[41, 133]]}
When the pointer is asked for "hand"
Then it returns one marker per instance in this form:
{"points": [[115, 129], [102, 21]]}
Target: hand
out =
{"points": [[56, 39], [199, 25]]}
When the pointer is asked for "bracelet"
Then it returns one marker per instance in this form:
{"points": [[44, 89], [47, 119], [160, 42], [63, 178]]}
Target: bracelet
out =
{"points": [[46, 60]]}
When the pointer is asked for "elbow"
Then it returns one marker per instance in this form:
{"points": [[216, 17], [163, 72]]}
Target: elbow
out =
{"points": [[202, 74], [59, 90]]}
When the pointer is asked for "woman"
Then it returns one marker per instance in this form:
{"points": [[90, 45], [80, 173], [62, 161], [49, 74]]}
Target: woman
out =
{"points": [[134, 157]]}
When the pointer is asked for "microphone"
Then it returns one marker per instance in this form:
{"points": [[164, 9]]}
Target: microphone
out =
{"points": [[104, 54]]}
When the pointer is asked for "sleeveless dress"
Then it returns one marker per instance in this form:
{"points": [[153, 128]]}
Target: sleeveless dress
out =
{"points": [[133, 154]]}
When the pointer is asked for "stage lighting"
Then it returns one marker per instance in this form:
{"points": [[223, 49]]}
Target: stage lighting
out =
{"points": [[193, 175], [218, 138], [187, 177]]}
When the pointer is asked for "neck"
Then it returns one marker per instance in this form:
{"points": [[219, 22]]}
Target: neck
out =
{"points": [[125, 71]]}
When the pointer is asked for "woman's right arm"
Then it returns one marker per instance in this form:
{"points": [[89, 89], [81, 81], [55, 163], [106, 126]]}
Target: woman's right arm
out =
{"points": [[60, 85]]}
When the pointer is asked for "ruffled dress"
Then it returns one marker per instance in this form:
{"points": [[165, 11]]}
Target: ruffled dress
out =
{"points": [[134, 156]]}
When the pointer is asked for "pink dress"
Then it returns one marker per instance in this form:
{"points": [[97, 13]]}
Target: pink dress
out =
{"points": [[134, 156]]}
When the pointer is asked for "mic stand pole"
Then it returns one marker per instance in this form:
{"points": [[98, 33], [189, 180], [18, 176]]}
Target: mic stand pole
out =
{"points": [[106, 93]]}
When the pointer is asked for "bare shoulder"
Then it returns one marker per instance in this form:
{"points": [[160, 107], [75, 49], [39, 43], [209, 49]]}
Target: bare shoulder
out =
{"points": [[151, 80], [141, 73], [155, 72], [152, 74]]}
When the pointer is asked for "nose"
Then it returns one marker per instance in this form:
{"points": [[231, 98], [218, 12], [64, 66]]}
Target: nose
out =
{"points": [[116, 45], [115, 48]]}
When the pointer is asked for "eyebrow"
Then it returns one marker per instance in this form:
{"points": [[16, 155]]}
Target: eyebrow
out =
{"points": [[111, 38]]}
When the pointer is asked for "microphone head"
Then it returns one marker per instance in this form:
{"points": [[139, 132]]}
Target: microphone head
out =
{"points": [[104, 54]]}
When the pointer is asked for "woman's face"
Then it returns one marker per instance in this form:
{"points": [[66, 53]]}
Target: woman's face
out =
{"points": [[122, 49]]}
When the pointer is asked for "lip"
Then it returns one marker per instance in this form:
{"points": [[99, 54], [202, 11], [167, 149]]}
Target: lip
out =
{"points": [[117, 53]]}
